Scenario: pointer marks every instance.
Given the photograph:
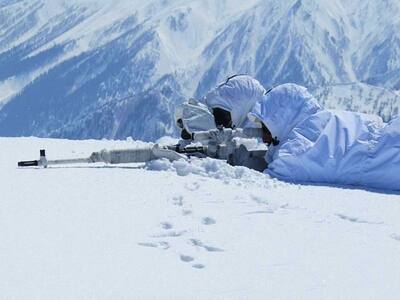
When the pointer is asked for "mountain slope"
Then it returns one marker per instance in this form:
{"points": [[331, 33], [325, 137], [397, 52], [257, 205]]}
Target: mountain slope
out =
{"points": [[376, 59], [95, 69], [359, 97], [283, 42]]}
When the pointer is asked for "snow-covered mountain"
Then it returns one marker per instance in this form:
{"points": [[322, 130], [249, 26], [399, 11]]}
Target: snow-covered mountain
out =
{"points": [[87, 68], [360, 97]]}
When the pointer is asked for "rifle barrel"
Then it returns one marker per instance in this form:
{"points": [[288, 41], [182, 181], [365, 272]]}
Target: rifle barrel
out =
{"points": [[69, 161]]}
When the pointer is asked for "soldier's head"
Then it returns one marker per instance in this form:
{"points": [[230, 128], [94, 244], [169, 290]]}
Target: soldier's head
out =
{"points": [[222, 117], [232, 100]]}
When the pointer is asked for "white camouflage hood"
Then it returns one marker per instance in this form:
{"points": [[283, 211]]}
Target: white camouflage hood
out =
{"points": [[238, 96], [283, 108]]}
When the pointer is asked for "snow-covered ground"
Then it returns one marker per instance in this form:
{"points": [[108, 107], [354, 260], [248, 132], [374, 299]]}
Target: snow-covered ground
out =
{"points": [[186, 231]]}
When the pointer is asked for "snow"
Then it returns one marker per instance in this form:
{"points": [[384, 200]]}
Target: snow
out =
{"points": [[14, 85], [195, 43], [359, 97], [206, 167], [202, 230]]}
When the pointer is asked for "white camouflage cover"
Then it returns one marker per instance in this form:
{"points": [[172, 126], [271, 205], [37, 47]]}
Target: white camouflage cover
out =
{"points": [[328, 146], [238, 96]]}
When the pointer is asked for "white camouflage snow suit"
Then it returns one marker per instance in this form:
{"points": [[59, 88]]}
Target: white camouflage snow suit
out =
{"points": [[328, 146]]}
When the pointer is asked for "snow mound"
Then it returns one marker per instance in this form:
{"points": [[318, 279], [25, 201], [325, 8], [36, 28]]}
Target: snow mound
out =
{"points": [[212, 168], [209, 167]]}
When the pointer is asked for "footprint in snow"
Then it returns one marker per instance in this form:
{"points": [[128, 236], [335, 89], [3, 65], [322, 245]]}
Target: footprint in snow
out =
{"points": [[186, 258], [396, 237], [170, 234], [159, 245], [260, 212], [198, 266], [356, 220], [258, 199], [166, 225], [178, 200], [198, 243], [190, 259], [194, 186], [208, 221], [186, 212]]}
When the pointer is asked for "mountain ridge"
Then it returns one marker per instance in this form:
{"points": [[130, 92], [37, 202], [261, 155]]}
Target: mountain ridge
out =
{"points": [[64, 74]]}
